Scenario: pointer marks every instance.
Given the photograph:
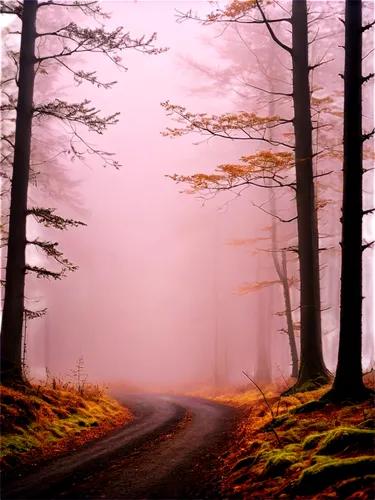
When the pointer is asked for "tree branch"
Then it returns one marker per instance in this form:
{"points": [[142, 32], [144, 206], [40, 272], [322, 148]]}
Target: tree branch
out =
{"points": [[271, 32], [365, 137], [366, 78], [367, 245]]}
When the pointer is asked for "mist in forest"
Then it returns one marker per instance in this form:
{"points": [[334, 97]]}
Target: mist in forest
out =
{"points": [[171, 287]]}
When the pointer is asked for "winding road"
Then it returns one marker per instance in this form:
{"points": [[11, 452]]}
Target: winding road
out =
{"points": [[166, 452]]}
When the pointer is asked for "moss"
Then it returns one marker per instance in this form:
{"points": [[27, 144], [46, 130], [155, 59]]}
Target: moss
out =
{"points": [[278, 461], [312, 441], [15, 444], [244, 462], [297, 466], [295, 448], [286, 420], [34, 420], [346, 488], [308, 407], [290, 436], [318, 426], [321, 475], [348, 439], [264, 447], [307, 387]]}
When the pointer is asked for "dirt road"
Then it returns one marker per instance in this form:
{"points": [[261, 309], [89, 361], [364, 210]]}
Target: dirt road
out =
{"points": [[166, 452]]}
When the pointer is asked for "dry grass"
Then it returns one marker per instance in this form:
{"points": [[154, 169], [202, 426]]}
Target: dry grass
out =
{"points": [[54, 418]]}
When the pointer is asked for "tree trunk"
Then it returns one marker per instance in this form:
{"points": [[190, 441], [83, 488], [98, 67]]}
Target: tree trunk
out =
{"points": [[12, 321], [262, 374], [282, 272], [312, 367], [289, 317], [348, 383]]}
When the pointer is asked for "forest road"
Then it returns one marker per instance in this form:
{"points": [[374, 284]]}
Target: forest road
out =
{"points": [[168, 451]]}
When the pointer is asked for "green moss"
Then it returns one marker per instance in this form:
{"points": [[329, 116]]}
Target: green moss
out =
{"points": [[33, 421], [290, 436], [278, 461], [308, 407], [286, 420], [264, 447], [295, 448], [15, 444], [312, 440], [348, 439], [321, 475], [297, 466]]}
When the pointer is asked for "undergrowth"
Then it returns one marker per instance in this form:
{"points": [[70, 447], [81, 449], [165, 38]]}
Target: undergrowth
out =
{"points": [[54, 417], [292, 447]]}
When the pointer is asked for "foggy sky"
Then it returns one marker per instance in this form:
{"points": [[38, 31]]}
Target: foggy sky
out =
{"points": [[155, 270]]}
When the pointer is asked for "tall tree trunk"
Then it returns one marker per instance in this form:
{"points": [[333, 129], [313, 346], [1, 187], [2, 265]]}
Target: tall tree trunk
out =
{"points": [[12, 321], [348, 383], [312, 367]]}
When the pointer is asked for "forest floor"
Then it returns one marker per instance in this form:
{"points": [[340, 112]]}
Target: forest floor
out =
{"points": [[48, 420], [290, 447], [282, 447]]}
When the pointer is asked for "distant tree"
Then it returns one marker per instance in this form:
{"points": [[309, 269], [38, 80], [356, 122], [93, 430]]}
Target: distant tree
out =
{"points": [[74, 39], [262, 324], [348, 384]]}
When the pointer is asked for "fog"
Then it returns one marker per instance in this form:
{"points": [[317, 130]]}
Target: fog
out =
{"points": [[156, 297]]}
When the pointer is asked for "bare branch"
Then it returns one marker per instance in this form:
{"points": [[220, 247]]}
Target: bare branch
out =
{"points": [[366, 78], [365, 137], [368, 26], [274, 215], [271, 32], [367, 245]]}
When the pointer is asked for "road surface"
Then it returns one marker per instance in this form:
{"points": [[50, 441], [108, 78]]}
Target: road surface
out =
{"points": [[167, 452]]}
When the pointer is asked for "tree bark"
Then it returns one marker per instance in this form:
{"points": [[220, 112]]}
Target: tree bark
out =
{"points": [[312, 368], [348, 383], [12, 321]]}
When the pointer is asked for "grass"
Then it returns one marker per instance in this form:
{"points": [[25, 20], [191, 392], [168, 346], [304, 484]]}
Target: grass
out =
{"points": [[51, 419], [325, 452]]}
